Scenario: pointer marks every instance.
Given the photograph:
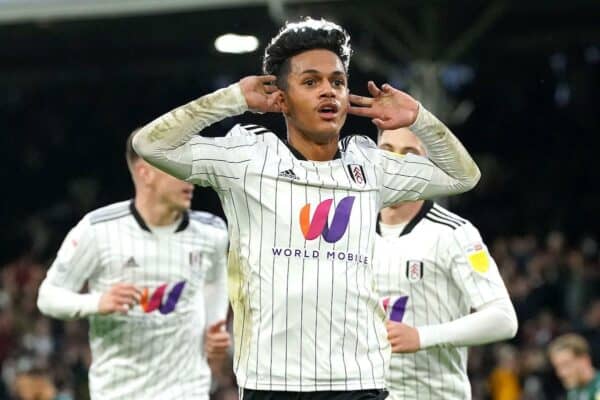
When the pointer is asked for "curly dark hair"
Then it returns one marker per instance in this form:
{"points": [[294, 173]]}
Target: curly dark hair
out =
{"points": [[297, 37]]}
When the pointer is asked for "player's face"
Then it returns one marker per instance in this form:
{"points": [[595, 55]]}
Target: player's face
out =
{"points": [[401, 141], [315, 102], [175, 193], [567, 367]]}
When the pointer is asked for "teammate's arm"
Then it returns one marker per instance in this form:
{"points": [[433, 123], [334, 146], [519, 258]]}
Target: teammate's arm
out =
{"points": [[77, 259], [491, 322], [476, 274], [451, 169], [165, 142]]}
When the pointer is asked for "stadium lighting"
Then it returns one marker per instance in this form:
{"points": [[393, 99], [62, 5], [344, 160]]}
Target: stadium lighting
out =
{"points": [[237, 44]]}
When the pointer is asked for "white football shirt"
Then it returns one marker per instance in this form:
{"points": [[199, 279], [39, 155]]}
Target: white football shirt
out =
{"points": [[435, 271], [301, 232], [155, 351]]}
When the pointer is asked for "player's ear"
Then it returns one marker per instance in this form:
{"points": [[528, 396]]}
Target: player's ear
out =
{"points": [[281, 101], [144, 172]]}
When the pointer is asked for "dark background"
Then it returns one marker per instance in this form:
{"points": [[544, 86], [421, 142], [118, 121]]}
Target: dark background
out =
{"points": [[526, 72], [72, 91]]}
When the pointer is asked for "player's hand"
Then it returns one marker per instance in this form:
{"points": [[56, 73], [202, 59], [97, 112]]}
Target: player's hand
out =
{"points": [[402, 337], [389, 108], [260, 93], [119, 298], [217, 341]]}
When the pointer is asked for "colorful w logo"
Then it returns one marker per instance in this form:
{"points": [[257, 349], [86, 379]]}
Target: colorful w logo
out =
{"points": [[149, 305], [318, 226]]}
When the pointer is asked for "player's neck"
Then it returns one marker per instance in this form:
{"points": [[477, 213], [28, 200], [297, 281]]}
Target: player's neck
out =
{"points": [[155, 213], [310, 149], [402, 213]]}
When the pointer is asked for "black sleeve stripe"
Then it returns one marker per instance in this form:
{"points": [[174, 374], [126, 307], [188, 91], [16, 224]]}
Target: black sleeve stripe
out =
{"points": [[446, 213], [344, 143], [444, 217], [254, 128], [437, 221]]}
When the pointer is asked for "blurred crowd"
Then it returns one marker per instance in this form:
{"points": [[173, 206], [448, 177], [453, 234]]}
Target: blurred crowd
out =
{"points": [[554, 284]]}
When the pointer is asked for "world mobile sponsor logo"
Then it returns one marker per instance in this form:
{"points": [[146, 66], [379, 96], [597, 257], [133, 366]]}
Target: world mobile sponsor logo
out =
{"points": [[319, 226], [330, 255]]}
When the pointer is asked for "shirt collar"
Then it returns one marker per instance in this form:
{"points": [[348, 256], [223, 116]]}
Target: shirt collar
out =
{"points": [[425, 207], [185, 220], [299, 155]]}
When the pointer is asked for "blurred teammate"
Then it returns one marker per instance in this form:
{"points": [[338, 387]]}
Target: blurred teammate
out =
{"points": [[432, 268], [156, 277], [307, 323], [570, 356]]}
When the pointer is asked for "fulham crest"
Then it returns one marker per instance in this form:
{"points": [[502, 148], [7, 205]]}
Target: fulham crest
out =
{"points": [[357, 173], [414, 270]]}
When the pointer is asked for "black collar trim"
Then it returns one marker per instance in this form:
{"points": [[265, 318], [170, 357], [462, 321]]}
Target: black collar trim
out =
{"points": [[427, 205], [185, 221], [301, 157]]}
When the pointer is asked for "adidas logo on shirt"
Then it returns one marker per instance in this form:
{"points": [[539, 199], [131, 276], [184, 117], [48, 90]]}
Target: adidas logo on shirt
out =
{"points": [[131, 263], [288, 173]]}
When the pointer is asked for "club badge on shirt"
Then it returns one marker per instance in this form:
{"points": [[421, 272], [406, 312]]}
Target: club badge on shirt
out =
{"points": [[414, 270], [195, 258], [478, 258], [357, 173]]}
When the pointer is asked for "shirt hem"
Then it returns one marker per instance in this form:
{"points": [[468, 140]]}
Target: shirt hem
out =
{"points": [[316, 387]]}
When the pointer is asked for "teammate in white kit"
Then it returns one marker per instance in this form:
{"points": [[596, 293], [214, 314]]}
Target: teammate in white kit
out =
{"points": [[156, 274], [432, 268], [301, 212]]}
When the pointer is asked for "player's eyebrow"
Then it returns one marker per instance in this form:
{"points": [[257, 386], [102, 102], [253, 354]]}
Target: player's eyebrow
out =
{"points": [[315, 71]]}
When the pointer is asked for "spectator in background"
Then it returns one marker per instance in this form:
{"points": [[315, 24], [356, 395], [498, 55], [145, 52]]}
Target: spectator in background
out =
{"points": [[504, 379], [34, 385], [570, 356]]}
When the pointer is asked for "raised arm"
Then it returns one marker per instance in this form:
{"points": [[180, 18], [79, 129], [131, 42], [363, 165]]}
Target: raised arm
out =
{"points": [[165, 142], [450, 170]]}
